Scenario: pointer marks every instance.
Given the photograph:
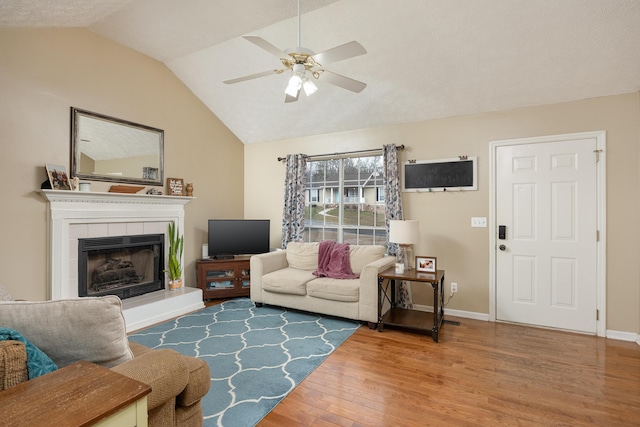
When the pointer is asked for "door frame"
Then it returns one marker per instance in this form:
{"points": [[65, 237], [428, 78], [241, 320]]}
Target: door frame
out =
{"points": [[601, 222]]}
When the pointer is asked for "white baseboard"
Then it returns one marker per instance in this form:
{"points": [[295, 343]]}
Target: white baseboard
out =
{"points": [[623, 336], [456, 313], [615, 335]]}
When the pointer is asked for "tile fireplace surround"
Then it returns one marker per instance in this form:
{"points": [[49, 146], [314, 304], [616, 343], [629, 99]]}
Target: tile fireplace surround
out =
{"points": [[76, 215]]}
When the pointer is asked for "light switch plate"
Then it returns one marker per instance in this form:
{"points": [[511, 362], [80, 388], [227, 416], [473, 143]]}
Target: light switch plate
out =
{"points": [[478, 221]]}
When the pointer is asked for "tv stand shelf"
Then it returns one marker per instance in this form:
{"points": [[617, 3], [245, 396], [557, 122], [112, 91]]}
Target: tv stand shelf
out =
{"points": [[223, 278]]}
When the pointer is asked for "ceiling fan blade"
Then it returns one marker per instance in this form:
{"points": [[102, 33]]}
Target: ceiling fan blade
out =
{"points": [[251, 77], [288, 98], [342, 81], [347, 50], [262, 43]]}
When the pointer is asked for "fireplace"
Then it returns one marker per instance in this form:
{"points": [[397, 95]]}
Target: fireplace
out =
{"points": [[126, 266], [74, 216]]}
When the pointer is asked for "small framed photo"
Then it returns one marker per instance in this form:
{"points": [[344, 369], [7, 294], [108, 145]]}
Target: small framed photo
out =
{"points": [[426, 264], [58, 177], [175, 186]]}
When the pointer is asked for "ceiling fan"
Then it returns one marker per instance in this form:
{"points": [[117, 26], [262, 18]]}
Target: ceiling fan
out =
{"points": [[304, 64]]}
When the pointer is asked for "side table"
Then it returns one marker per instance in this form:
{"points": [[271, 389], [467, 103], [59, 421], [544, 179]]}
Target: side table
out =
{"points": [[416, 320], [78, 395]]}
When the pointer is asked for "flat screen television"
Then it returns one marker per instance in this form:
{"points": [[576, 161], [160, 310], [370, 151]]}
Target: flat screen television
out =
{"points": [[230, 237]]}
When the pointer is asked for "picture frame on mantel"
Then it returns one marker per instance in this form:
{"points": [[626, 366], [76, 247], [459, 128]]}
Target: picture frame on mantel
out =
{"points": [[58, 177], [175, 187]]}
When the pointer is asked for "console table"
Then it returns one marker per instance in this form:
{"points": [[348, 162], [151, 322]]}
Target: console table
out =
{"points": [[224, 278], [421, 321], [78, 395]]}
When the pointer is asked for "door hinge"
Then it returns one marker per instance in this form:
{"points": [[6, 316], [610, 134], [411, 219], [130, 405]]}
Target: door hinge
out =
{"points": [[597, 235], [597, 155], [597, 314]]}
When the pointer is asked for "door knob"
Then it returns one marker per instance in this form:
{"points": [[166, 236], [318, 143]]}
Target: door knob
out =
{"points": [[502, 247]]}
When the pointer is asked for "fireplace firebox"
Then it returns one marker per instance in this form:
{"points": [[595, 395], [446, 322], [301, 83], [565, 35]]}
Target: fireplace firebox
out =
{"points": [[126, 266]]}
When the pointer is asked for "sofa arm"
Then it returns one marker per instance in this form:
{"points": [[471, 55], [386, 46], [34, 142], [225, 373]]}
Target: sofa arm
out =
{"points": [[369, 287], [264, 264], [164, 370]]}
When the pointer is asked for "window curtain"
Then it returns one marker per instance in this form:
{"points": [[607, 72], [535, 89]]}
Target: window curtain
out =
{"points": [[294, 187], [393, 211]]}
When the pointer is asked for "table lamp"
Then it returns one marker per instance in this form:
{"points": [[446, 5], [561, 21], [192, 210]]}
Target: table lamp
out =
{"points": [[404, 233]]}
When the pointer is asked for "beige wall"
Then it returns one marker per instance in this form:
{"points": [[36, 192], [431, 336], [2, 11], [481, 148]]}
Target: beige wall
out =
{"points": [[445, 217], [45, 72]]}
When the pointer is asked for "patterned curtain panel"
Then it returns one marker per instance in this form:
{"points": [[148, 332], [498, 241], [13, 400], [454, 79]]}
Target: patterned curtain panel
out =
{"points": [[392, 211], [294, 186]]}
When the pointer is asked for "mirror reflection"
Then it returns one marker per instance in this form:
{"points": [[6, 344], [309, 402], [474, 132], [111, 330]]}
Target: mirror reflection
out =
{"points": [[109, 149]]}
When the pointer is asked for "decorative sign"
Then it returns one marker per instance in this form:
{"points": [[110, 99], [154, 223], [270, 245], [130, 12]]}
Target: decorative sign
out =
{"points": [[456, 174], [175, 186]]}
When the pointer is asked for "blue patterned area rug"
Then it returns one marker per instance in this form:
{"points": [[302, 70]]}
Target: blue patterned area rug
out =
{"points": [[257, 355]]}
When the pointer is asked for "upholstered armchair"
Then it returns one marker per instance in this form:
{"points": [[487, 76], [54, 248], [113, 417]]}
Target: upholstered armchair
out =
{"points": [[93, 329]]}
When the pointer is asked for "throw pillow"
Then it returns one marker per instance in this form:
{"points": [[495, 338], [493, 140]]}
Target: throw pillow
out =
{"points": [[38, 363], [13, 364], [91, 328]]}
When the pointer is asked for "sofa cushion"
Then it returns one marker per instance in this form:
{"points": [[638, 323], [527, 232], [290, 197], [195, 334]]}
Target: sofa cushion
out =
{"points": [[91, 328], [303, 256], [362, 255], [287, 281], [347, 290]]}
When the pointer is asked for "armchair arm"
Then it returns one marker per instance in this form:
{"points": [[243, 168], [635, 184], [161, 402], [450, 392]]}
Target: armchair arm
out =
{"points": [[164, 370], [264, 264], [369, 287]]}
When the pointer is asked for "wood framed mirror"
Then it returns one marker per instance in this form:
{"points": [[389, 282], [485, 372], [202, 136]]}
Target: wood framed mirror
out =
{"points": [[105, 148]]}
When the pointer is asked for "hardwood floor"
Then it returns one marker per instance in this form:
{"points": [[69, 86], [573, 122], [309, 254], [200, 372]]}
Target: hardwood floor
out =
{"points": [[479, 374]]}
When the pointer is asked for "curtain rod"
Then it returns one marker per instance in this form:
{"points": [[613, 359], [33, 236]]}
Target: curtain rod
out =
{"points": [[373, 150]]}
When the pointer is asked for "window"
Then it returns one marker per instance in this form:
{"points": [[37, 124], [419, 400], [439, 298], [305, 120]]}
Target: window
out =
{"points": [[345, 201]]}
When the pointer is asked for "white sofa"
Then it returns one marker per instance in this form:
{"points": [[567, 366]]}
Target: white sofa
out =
{"points": [[285, 278]]}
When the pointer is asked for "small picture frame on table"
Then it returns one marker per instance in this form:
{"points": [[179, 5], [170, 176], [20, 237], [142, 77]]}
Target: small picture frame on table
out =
{"points": [[58, 177], [426, 264], [175, 186]]}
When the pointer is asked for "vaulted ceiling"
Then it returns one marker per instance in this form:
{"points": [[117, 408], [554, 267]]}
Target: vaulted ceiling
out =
{"points": [[426, 58]]}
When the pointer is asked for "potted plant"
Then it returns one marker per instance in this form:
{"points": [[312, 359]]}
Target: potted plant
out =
{"points": [[176, 243]]}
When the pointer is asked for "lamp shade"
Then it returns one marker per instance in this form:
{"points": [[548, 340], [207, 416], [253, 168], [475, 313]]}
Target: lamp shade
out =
{"points": [[403, 232]]}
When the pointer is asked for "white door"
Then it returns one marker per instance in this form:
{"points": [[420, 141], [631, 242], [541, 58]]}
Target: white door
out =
{"points": [[546, 262]]}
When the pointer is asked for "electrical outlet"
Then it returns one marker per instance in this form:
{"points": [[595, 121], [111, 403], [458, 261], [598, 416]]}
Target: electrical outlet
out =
{"points": [[454, 288]]}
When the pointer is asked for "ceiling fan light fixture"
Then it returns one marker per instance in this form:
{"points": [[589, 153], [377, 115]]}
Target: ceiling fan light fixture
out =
{"points": [[309, 87], [295, 83]]}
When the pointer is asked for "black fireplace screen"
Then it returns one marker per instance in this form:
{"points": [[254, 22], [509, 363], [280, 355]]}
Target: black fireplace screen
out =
{"points": [[125, 266]]}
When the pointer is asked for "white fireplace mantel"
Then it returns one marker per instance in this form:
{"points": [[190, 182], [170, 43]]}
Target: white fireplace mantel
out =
{"points": [[75, 215]]}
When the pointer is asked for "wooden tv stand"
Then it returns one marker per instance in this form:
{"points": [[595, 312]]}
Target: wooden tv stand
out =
{"points": [[224, 278]]}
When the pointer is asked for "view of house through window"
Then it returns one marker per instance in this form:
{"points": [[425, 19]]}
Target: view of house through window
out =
{"points": [[344, 201]]}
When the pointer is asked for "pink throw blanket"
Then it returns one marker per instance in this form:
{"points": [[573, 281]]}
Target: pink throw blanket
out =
{"points": [[333, 261]]}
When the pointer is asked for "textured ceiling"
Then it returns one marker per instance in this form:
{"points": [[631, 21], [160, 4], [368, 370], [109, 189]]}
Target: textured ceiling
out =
{"points": [[426, 58]]}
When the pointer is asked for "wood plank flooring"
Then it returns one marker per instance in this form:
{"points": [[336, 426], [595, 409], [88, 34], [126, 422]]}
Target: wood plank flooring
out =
{"points": [[479, 374]]}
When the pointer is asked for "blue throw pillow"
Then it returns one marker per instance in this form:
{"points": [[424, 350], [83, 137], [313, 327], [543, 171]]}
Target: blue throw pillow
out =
{"points": [[38, 363]]}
